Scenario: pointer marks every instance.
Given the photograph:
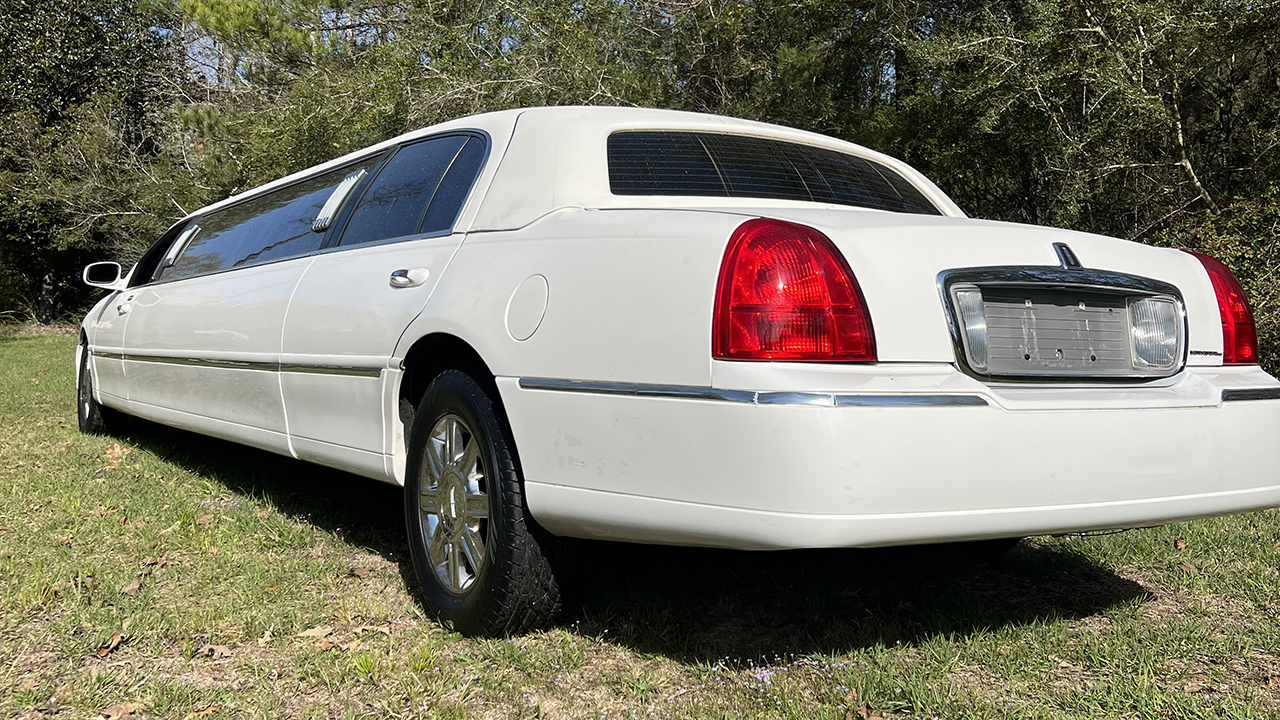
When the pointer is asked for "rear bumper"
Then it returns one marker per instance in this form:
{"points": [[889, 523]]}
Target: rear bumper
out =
{"points": [[787, 470], [608, 516]]}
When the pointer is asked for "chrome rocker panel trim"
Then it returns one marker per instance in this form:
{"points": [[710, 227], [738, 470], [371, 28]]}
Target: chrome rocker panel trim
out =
{"points": [[245, 364]]}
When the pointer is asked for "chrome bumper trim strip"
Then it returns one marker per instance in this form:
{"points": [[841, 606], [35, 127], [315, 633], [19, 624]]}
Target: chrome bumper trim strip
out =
{"points": [[1234, 394], [795, 398], [245, 364], [748, 397], [910, 400], [639, 390]]}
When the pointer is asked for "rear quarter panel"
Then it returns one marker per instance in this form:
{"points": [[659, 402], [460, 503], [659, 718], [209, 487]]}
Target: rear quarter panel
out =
{"points": [[629, 296]]}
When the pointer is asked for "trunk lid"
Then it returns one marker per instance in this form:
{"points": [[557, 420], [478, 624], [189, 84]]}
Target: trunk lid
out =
{"points": [[897, 259]]}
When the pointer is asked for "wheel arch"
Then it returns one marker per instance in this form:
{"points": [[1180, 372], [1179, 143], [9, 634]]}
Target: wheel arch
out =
{"points": [[426, 358], [81, 356], [436, 352]]}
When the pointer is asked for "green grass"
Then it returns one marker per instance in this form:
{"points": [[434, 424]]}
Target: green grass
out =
{"points": [[210, 560]]}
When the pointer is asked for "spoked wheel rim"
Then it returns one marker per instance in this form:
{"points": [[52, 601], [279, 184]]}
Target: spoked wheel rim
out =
{"points": [[454, 504]]}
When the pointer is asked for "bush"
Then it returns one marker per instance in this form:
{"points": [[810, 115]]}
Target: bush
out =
{"points": [[1245, 237], [85, 125]]}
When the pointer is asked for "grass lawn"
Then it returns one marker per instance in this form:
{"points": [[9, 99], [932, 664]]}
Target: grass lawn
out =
{"points": [[163, 574]]}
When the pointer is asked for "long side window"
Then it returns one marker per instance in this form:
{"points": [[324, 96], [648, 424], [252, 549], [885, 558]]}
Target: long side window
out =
{"points": [[265, 228], [454, 189], [396, 200], [150, 262]]}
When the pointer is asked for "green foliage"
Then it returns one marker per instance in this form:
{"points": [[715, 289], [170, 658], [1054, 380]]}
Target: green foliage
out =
{"points": [[57, 54], [350, 104], [1100, 116], [84, 133], [270, 37], [1133, 118], [1109, 117], [1245, 238]]}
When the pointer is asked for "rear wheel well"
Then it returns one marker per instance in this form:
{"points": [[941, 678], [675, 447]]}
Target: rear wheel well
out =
{"points": [[432, 355]]}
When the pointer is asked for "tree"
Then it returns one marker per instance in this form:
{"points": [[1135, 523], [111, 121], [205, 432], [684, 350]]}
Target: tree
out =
{"points": [[87, 86], [1127, 117], [1116, 117], [301, 81]]}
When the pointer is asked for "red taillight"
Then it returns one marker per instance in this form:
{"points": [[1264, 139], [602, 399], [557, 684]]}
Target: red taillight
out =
{"points": [[786, 293], [1239, 338]]}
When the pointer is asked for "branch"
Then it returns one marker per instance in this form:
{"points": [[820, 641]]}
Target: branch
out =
{"points": [[1185, 161], [1112, 44], [1157, 223], [87, 219], [992, 39], [1131, 166]]}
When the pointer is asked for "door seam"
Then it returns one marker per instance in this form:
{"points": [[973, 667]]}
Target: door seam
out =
{"points": [[284, 405]]}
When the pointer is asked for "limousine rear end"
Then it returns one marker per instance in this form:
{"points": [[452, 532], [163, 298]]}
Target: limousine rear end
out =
{"points": [[677, 328]]}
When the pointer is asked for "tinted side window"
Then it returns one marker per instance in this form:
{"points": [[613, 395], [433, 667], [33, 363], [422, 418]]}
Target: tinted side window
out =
{"points": [[753, 167], [644, 162], [662, 163], [398, 197], [270, 227], [455, 187], [145, 270]]}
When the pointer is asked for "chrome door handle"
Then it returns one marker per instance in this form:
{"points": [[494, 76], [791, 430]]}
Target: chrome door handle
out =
{"points": [[123, 308], [409, 277]]}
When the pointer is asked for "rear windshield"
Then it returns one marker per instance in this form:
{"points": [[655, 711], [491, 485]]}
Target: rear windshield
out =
{"points": [[662, 162]]}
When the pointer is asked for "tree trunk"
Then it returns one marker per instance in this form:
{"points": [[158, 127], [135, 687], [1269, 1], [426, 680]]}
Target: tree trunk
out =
{"points": [[44, 301], [1185, 161]]}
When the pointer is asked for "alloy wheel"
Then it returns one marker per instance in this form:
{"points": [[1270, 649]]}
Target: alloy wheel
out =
{"points": [[454, 503]]}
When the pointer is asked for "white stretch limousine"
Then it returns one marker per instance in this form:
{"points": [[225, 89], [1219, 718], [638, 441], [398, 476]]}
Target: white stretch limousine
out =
{"points": [[675, 328]]}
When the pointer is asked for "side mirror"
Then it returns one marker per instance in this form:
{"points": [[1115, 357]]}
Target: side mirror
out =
{"points": [[103, 275]]}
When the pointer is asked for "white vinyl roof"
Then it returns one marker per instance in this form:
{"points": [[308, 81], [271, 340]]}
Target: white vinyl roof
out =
{"points": [[557, 158], [547, 158]]}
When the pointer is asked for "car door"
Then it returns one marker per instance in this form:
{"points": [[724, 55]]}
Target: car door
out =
{"points": [[106, 328], [202, 346], [106, 345], [358, 296]]}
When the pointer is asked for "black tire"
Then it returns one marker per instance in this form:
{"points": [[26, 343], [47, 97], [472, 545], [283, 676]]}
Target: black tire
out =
{"points": [[93, 418], [514, 589]]}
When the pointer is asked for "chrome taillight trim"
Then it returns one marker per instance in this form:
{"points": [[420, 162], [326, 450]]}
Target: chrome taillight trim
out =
{"points": [[1053, 278]]}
